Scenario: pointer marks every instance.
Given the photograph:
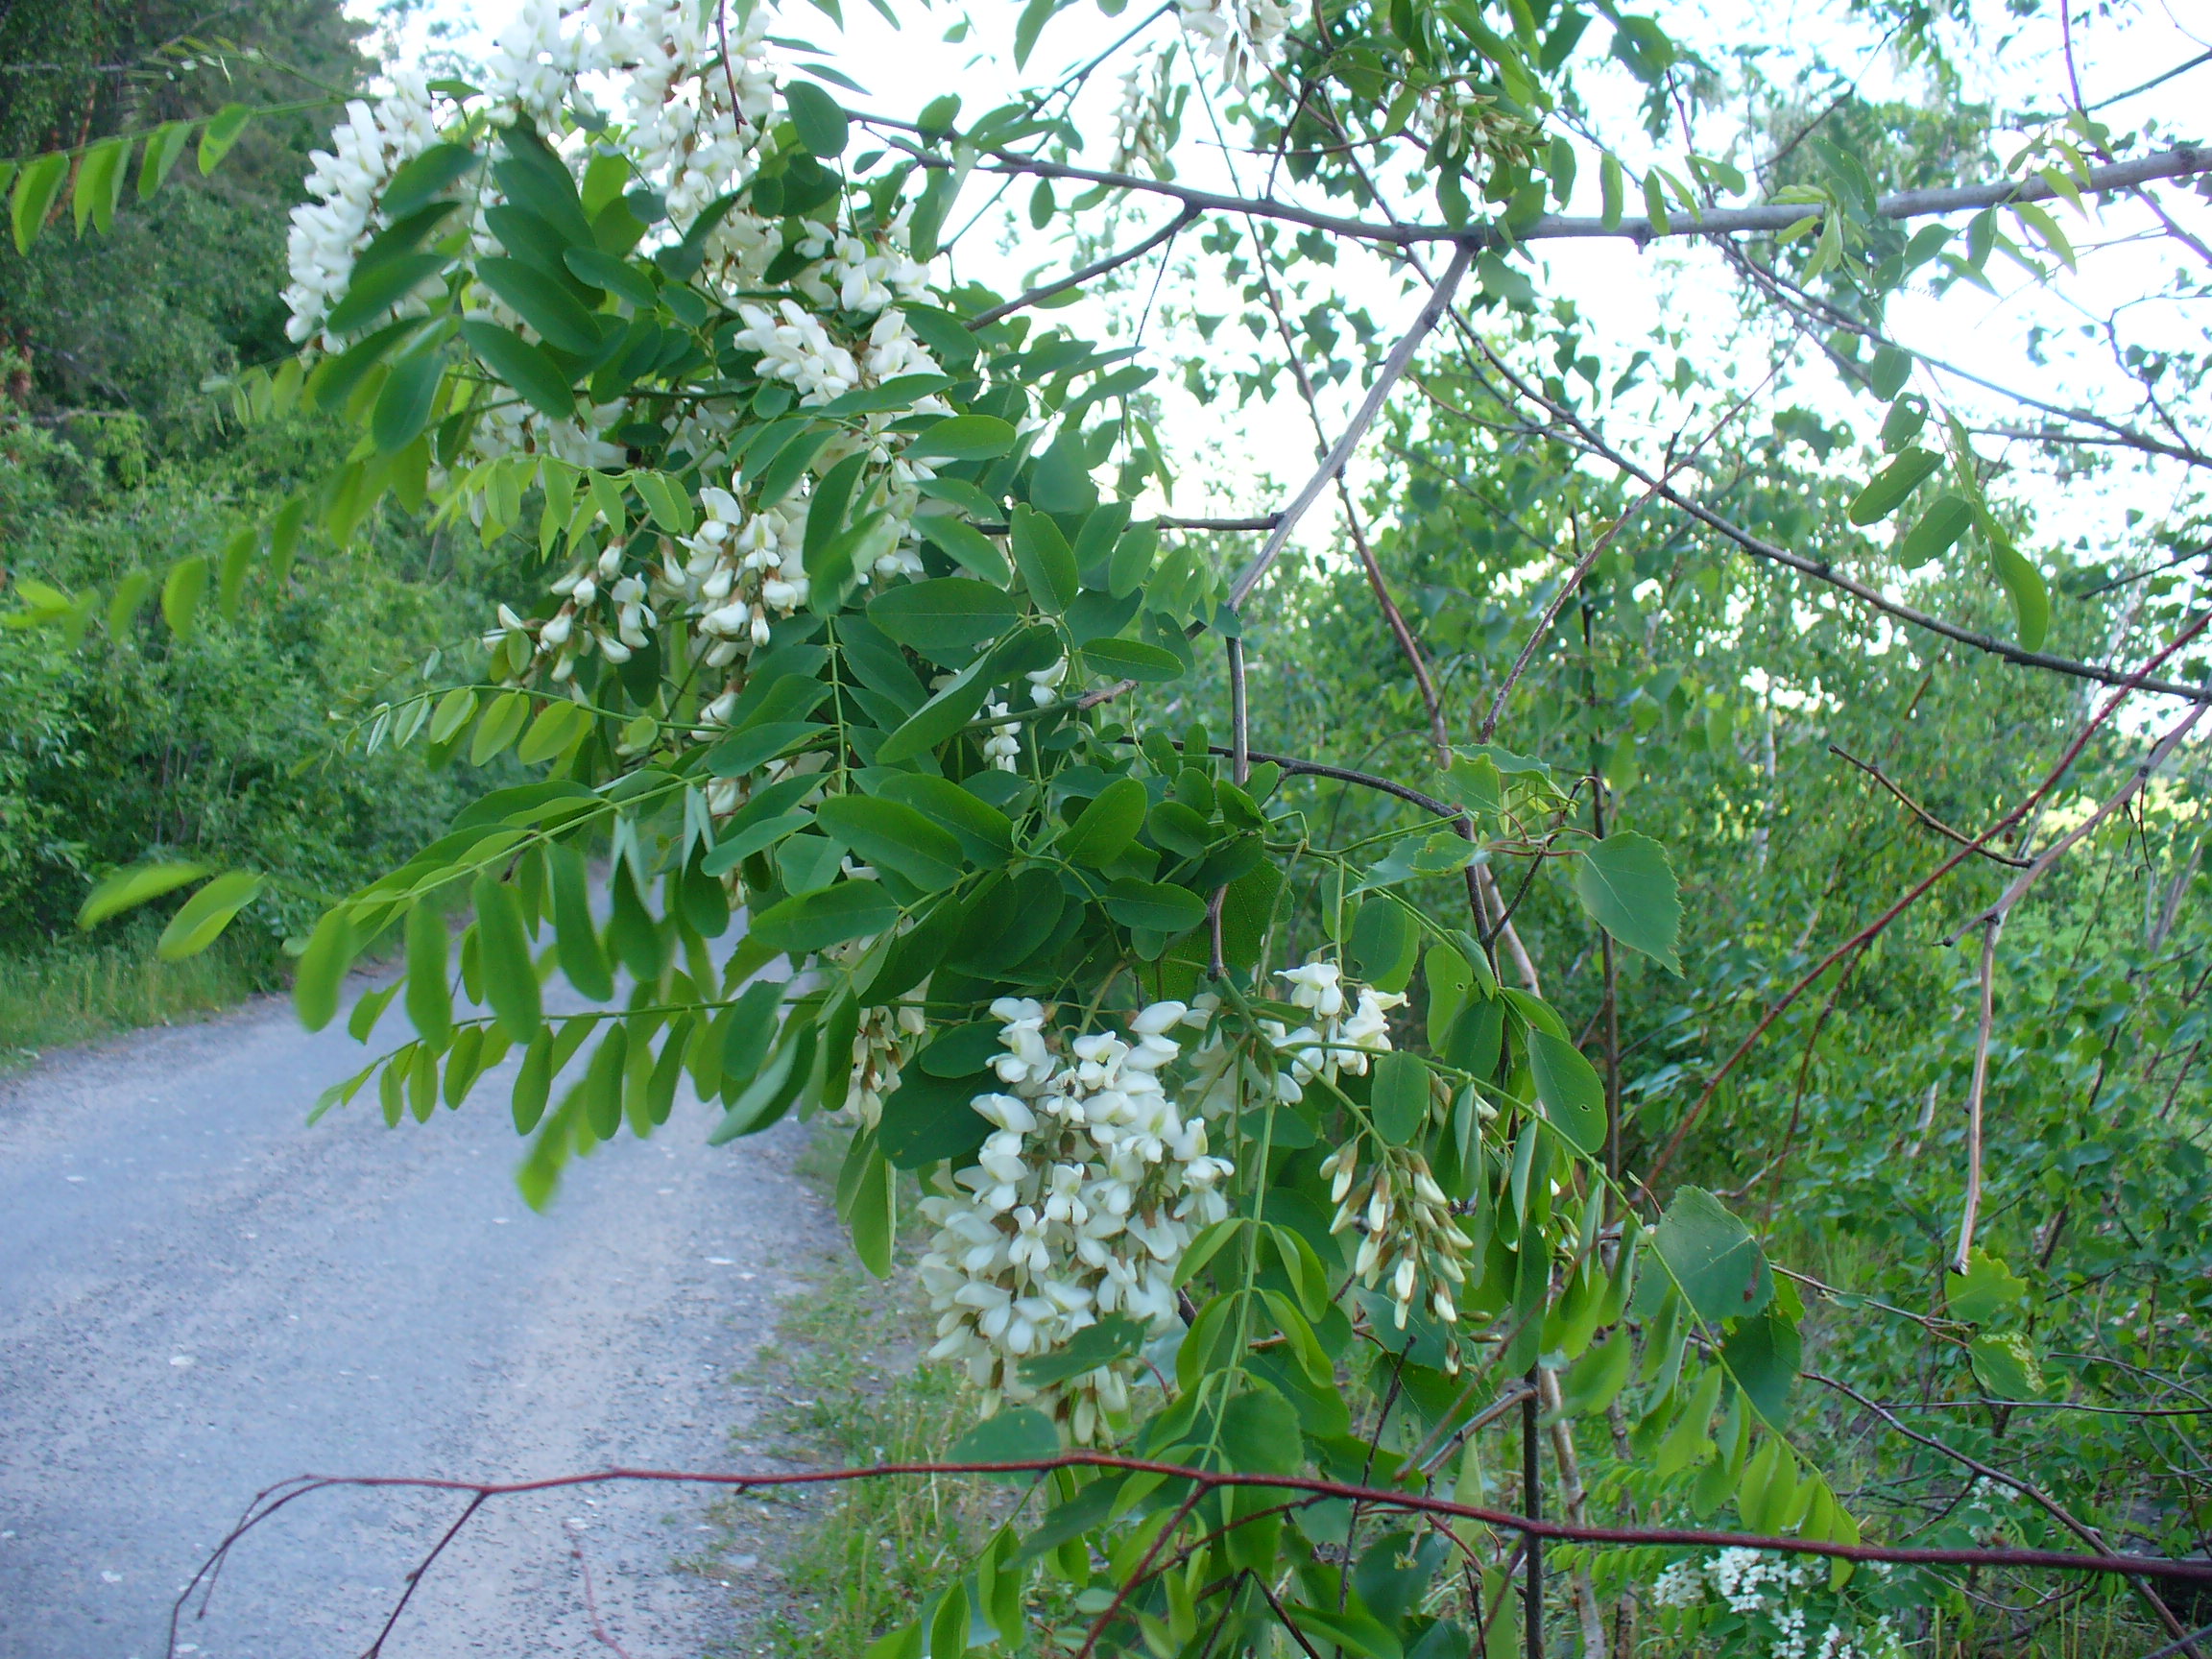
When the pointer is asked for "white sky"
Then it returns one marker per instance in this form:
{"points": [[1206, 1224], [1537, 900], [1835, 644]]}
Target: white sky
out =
{"points": [[1625, 295]]}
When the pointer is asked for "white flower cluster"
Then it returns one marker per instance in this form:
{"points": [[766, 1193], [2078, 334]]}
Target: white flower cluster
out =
{"points": [[1350, 1023], [1002, 749], [882, 1046], [691, 127], [1239, 35], [340, 217], [1753, 1581], [1410, 1238], [1080, 1204]]}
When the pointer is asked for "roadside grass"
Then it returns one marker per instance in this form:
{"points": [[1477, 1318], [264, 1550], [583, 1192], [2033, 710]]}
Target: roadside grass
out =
{"points": [[853, 1561], [72, 990]]}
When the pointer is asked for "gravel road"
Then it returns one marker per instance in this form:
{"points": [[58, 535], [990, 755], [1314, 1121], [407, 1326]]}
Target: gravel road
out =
{"points": [[201, 1296]]}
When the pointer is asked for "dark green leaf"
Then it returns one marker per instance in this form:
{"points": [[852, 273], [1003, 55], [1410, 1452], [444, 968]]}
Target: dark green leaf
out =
{"points": [[828, 915], [1400, 1099], [1133, 659], [1107, 825], [1019, 1436], [429, 998], [375, 290], [935, 720], [1949, 517], [510, 978], [894, 835], [966, 545], [757, 745], [542, 303], [1117, 1336], [963, 438], [403, 404], [206, 914], [819, 119], [1762, 1353], [524, 367], [418, 181], [617, 276], [1159, 905], [1045, 561], [926, 1119], [1885, 492], [1573, 1096], [985, 833], [941, 615]]}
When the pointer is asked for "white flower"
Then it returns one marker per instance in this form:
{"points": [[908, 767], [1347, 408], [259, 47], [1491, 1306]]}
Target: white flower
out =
{"points": [[1078, 1207]]}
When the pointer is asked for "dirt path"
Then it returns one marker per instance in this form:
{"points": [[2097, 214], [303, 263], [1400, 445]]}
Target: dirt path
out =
{"points": [[200, 1296]]}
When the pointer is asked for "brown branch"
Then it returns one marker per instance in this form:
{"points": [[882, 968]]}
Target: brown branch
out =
{"points": [[1875, 928], [2182, 162], [1974, 1093], [2098, 1560], [1922, 813], [1394, 367], [1076, 278]]}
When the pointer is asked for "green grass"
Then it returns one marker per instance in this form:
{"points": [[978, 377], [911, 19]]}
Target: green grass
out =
{"points": [[853, 1561], [71, 990]]}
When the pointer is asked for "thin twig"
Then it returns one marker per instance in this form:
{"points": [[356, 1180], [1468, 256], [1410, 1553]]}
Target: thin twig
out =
{"points": [[590, 1601], [1974, 1093], [1393, 368], [1912, 896], [1922, 813], [1076, 278]]}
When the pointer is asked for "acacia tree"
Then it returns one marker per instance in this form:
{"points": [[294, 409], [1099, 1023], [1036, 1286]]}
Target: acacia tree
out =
{"points": [[1261, 1176]]}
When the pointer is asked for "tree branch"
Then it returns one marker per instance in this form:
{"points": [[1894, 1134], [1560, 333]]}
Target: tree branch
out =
{"points": [[1922, 813], [2182, 162], [1097, 268], [1393, 368]]}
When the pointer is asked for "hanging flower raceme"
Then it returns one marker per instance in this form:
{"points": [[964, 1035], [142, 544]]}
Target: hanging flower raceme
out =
{"points": [[1409, 1241], [1078, 1207], [1350, 1023], [1242, 36]]}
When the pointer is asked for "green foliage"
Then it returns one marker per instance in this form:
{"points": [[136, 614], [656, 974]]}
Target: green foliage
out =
{"points": [[1341, 1045]]}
